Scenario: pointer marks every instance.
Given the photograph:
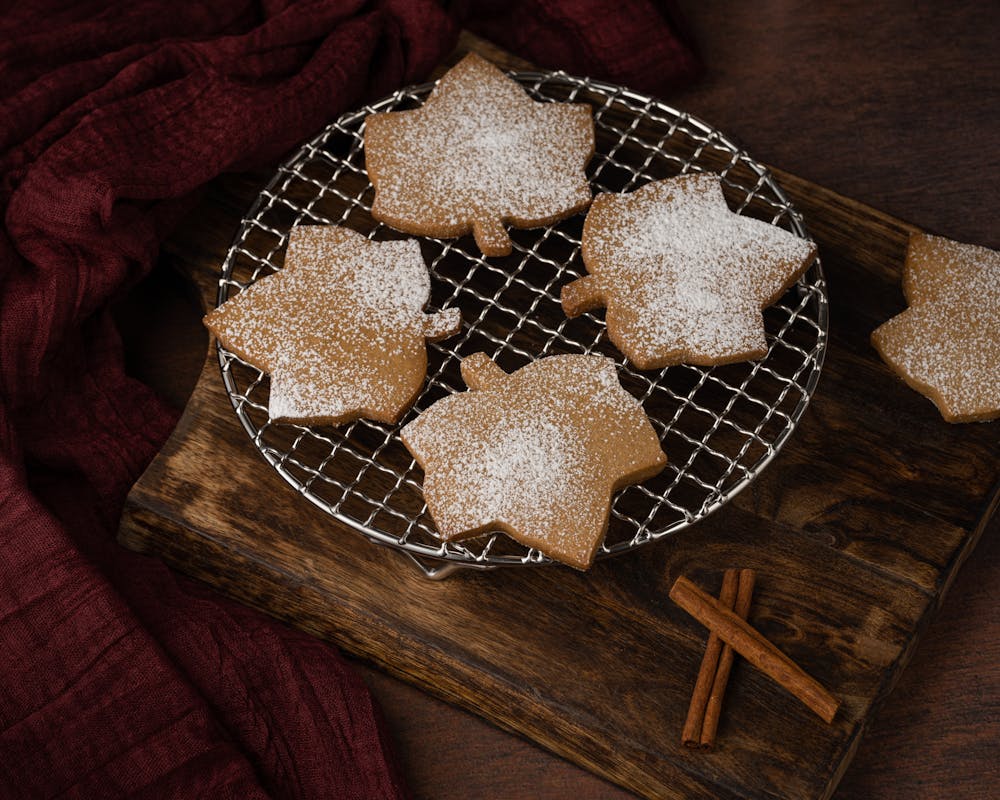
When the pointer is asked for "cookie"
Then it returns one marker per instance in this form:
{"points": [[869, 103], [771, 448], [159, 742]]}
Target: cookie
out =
{"points": [[946, 345], [340, 329], [477, 155], [537, 454], [683, 278]]}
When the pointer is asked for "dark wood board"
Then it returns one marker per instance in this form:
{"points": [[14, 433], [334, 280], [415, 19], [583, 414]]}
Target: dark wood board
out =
{"points": [[856, 529]]}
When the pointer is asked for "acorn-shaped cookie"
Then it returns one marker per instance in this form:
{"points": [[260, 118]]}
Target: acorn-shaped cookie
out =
{"points": [[340, 328], [684, 279], [537, 454], [480, 154], [946, 345]]}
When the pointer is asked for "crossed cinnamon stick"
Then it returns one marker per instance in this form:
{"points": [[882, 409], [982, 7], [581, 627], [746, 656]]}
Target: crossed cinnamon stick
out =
{"points": [[726, 620]]}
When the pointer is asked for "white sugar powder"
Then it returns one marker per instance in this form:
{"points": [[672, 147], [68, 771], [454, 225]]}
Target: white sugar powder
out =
{"points": [[696, 274], [948, 339], [519, 453], [479, 147], [333, 324]]}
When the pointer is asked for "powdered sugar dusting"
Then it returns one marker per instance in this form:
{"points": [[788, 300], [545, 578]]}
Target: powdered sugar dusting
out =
{"points": [[478, 149], [515, 471], [537, 455], [340, 328], [948, 342], [382, 283], [692, 275]]}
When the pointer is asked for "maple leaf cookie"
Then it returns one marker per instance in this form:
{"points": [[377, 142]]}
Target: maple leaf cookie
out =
{"points": [[537, 454], [478, 154], [340, 328], [684, 279], [946, 345]]}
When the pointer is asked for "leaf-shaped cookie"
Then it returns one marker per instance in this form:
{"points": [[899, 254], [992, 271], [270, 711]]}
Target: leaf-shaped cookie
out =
{"points": [[537, 454], [946, 345], [340, 329], [479, 153], [684, 279]]}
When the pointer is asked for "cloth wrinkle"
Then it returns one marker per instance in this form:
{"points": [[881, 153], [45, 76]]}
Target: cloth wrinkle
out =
{"points": [[102, 142]]}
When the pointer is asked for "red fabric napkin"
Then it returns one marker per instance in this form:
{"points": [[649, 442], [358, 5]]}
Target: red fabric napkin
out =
{"points": [[117, 676]]}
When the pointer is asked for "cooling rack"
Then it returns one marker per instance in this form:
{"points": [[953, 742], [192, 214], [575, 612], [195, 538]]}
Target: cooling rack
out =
{"points": [[720, 426]]}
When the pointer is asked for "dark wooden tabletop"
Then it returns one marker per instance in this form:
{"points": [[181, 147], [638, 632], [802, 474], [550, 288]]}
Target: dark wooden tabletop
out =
{"points": [[894, 104]]}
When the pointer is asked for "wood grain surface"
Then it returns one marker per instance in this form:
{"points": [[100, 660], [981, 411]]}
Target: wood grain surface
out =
{"points": [[857, 78]]}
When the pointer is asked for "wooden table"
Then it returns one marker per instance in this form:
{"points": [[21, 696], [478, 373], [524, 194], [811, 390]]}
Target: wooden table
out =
{"points": [[893, 106]]}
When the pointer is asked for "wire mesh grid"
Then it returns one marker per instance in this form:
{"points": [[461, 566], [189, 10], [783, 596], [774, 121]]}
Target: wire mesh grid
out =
{"points": [[719, 426]]}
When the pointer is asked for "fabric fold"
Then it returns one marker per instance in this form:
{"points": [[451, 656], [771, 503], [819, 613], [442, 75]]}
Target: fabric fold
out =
{"points": [[121, 677]]}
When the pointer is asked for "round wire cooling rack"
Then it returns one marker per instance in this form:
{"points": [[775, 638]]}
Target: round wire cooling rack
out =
{"points": [[720, 426]]}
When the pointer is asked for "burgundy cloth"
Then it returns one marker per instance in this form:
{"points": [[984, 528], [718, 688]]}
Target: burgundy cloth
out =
{"points": [[117, 676], [640, 44]]}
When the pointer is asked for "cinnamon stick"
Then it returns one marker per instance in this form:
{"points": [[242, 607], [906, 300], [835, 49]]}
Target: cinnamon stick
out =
{"points": [[753, 647], [713, 708], [692, 733]]}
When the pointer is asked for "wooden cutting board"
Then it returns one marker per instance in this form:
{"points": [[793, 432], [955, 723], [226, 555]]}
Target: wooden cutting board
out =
{"points": [[856, 529]]}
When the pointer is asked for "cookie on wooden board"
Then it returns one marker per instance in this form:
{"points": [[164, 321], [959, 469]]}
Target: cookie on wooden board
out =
{"points": [[479, 154], [684, 279], [946, 345], [340, 328], [537, 453]]}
